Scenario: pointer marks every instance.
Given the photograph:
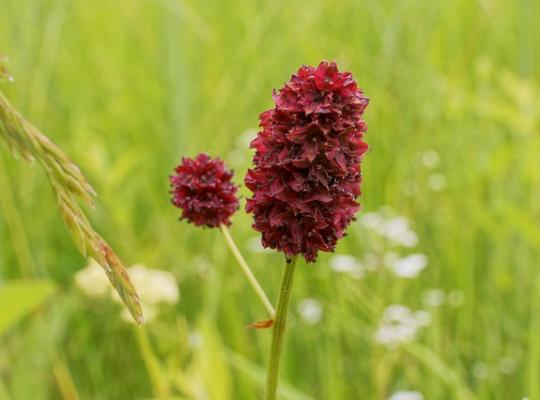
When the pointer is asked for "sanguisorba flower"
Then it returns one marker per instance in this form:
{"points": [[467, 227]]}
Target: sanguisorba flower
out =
{"points": [[306, 175], [202, 188]]}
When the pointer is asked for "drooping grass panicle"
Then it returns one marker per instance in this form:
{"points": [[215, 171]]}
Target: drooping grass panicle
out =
{"points": [[69, 185]]}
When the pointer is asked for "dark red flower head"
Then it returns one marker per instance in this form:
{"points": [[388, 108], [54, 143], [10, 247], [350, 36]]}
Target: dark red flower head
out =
{"points": [[202, 188], [306, 176]]}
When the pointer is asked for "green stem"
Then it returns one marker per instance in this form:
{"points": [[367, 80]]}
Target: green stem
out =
{"points": [[64, 380], [153, 367], [247, 272], [279, 329]]}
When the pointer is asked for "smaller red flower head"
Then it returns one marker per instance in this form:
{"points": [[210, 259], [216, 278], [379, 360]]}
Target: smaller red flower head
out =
{"points": [[202, 188]]}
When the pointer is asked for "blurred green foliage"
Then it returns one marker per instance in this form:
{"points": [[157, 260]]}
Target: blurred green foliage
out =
{"points": [[18, 298], [128, 87]]}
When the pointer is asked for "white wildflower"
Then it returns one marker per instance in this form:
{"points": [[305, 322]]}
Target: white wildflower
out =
{"points": [[430, 158], [392, 336], [398, 230], [400, 325], [372, 220], [434, 297], [397, 313], [437, 182], [311, 311], [406, 395], [347, 264], [155, 287], [92, 280], [410, 266]]}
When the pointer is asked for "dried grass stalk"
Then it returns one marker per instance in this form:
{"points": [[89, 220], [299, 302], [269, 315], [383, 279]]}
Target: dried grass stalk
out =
{"points": [[68, 184]]}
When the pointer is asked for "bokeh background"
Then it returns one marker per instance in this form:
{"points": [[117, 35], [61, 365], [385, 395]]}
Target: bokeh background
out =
{"points": [[435, 292]]}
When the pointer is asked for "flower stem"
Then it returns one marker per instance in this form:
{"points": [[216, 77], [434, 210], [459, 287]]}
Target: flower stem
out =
{"points": [[247, 272], [153, 367], [279, 329]]}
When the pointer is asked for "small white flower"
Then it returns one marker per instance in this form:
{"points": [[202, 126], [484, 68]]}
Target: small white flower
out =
{"points": [[405, 333], [399, 325], [437, 182], [406, 395], [392, 336], [398, 230], [397, 313], [372, 220], [93, 281], [154, 286], [347, 264], [430, 158], [407, 239], [410, 266], [394, 226], [434, 297], [311, 311]]}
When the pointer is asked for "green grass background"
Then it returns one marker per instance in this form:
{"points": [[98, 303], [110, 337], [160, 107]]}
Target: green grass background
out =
{"points": [[127, 87]]}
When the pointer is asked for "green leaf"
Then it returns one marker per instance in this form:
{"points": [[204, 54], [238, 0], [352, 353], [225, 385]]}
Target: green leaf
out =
{"points": [[258, 375], [20, 298], [441, 370], [210, 362]]}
